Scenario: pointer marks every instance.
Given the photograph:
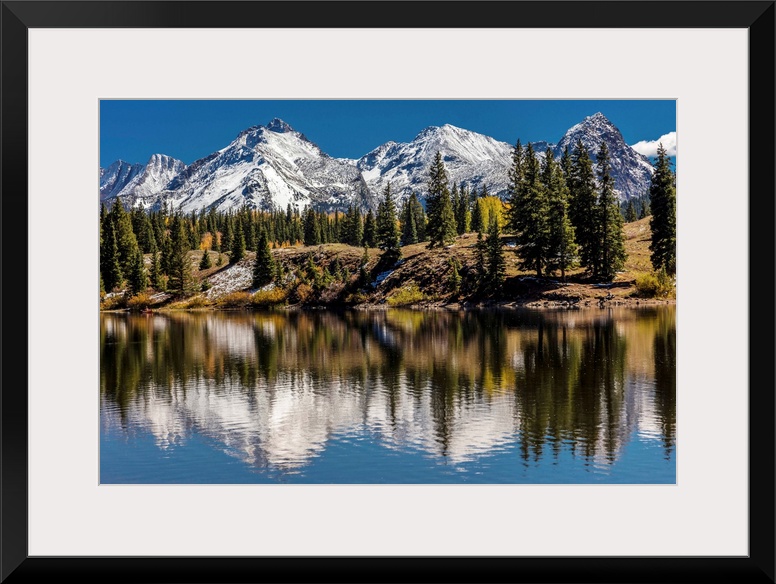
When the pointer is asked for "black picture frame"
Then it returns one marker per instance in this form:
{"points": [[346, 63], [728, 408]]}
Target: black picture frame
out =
{"points": [[757, 17]]}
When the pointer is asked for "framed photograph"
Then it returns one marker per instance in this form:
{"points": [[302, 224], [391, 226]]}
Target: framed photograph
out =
{"points": [[261, 143]]}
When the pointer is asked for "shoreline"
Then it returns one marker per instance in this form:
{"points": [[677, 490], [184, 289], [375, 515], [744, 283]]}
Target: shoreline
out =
{"points": [[589, 303]]}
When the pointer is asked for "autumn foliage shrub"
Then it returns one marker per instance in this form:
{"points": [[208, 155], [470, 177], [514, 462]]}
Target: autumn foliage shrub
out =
{"points": [[198, 301], [407, 296], [274, 297], [116, 302], [655, 285], [234, 300], [303, 293], [139, 301]]}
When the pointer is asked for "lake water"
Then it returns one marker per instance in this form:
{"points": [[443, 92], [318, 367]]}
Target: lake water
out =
{"points": [[517, 396]]}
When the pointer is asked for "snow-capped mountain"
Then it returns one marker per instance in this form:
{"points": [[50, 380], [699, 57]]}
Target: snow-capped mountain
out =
{"points": [[114, 178], [632, 171], [273, 166], [265, 167], [144, 188], [469, 157]]}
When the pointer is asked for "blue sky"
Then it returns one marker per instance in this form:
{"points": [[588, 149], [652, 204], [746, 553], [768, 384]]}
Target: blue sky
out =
{"points": [[133, 130]]}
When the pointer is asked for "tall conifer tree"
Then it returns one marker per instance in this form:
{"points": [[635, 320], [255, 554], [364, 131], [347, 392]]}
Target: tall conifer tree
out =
{"points": [[630, 212], [370, 230], [180, 280], [441, 227], [205, 262], [530, 211], [611, 254], [137, 279], [110, 267], [387, 229], [515, 189], [238, 244], [264, 267], [662, 195], [463, 217], [562, 246], [155, 272], [409, 227], [125, 235], [312, 228], [583, 202], [496, 265]]}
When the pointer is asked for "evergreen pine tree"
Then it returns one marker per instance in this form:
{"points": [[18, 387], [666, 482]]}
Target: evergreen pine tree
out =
{"points": [[662, 194], [477, 215], [480, 266], [454, 202], [216, 241], [387, 229], [205, 262], [137, 279], [125, 235], [194, 233], [496, 265], [363, 275], [312, 228], [323, 227], [155, 272], [370, 230], [279, 273], [583, 202], [561, 244], [630, 212], [227, 239], [166, 254], [144, 230], [420, 217], [515, 191], [353, 227], [644, 210], [461, 209], [454, 279], [611, 255], [110, 267], [530, 211], [264, 266], [409, 228], [238, 244], [441, 220], [180, 279], [567, 166]]}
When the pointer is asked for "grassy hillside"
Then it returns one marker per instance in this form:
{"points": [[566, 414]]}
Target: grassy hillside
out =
{"points": [[332, 275]]}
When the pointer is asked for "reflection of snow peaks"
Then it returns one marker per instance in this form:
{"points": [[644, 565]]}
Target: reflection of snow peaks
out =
{"points": [[275, 390], [290, 423]]}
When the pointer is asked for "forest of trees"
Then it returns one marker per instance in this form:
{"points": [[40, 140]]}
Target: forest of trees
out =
{"points": [[560, 214]]}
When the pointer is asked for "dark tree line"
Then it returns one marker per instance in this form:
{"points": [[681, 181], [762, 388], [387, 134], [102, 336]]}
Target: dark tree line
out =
{"points": [[565, 213]]}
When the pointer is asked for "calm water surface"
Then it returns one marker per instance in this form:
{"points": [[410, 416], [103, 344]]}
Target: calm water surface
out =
{"points": [[520, 396]]}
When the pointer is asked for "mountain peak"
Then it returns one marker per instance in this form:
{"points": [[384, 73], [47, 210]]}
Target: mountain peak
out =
{"points": [[279, 126]]}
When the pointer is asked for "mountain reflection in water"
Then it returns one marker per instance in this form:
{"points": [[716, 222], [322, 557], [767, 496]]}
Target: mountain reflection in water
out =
{"points": [[275, 390]]}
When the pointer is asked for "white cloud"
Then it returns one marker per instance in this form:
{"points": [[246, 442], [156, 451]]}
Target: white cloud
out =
{"points": [[649, 147]]}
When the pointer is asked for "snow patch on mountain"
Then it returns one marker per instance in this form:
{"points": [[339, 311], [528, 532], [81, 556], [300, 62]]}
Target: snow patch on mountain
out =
{"points": [[114, 178], [632, 171], [267, 167], [274, 166], [470, 158]]}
